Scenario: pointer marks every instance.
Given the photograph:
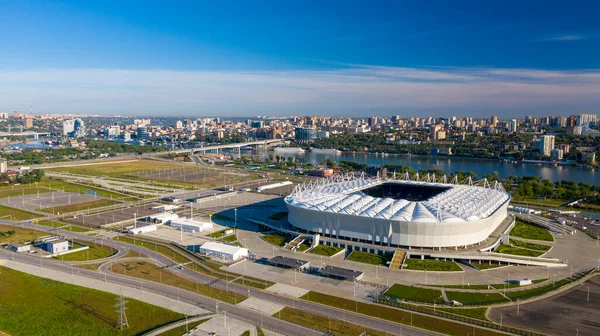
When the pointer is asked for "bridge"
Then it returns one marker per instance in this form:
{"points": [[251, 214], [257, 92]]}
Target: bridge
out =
{"points": [[216, 148], [26, 134]]}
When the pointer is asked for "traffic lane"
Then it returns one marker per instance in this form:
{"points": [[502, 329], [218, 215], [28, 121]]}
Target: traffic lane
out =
{"points": [[336, 313], [252, 317]]}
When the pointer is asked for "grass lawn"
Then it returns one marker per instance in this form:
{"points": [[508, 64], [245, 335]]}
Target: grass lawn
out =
{"points": [[529, 231], [531, 246], [431, 265], [229, 239], [21, 190], [529, 293], [79, 206], [416, 294], [461, 286], [218, 234], [278, 216], [487, 265], [149, 271], [16, 214], [36, 306], [325, 250], [476, 313], [304, 246], [370, 258], [475, 298], [277, 239], [213, 269], [80, 189], [119, 168], [402, 316], [95, 251], [506, 249], [60, 224], [323, 323], [9, 234]]}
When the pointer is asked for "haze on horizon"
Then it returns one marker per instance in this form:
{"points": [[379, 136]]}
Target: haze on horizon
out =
{"points": [[355, 58]]}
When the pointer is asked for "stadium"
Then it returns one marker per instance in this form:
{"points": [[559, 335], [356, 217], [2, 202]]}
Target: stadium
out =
{"points": [[407, 212]]}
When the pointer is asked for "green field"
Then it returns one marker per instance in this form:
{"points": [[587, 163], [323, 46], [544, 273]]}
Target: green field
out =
{"points": [[81, 189], [370, 258], [530, 246], [529, 231], [529, 293], [475, 298], [461, 286], [323, 323], [10, 234], [426, 322], [415, 294], [60, 224], [36, 306], [15, 214], [276, 239], [507, 249], [95, 251], [149, 271], [431, 265], [486, 265], [21, 190], [325, 250], [476, 313], [218, 234]]}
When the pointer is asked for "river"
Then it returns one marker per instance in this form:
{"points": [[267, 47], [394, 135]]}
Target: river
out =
{"points": [[453, 164]]}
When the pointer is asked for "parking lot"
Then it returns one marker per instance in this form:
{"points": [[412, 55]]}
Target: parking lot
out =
{"points": [[568, 313], [116, 216], [46, 200]]}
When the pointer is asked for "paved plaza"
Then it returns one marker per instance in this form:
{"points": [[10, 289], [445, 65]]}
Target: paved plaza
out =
{"points": [[44, 200]]}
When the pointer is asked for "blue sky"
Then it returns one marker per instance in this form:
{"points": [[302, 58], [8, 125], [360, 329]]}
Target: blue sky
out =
{"points": [[244, 58]]}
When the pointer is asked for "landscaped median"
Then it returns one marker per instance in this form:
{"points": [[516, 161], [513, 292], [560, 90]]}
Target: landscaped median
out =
{"points": [[431, 265], [325, 250], [530, 231], [432, 323]]}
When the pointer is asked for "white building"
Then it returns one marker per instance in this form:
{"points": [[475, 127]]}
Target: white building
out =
{"points": [[190, 225], [513, 124], [223, 251], [19, 247], [546, 144], [162, 218], [556, 154], [165, 207], [3, 166], [142, 229], [56, 246]]}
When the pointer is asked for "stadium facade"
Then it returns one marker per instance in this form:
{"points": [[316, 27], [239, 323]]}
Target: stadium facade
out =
{"points": [[407, 212]]}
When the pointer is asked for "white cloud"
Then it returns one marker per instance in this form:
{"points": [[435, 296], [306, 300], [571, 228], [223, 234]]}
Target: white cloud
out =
{"points": [[358, 89]]}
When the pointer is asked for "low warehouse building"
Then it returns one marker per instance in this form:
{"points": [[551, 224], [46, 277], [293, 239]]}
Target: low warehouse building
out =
{"points": [[142, 229], [162, 218], [223, 251], [292, 263], [19, 247], [56, 246], [190, 225], [341, 273]]}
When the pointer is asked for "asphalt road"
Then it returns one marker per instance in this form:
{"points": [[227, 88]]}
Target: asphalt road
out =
{"points": [[210, 304]]}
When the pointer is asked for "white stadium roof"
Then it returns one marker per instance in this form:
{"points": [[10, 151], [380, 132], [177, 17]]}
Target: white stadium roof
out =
{"points": [[459, 203]]}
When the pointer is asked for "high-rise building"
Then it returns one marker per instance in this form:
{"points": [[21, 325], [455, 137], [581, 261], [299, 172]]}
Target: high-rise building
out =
{"points": [[513, 124], [305, 133], [178, 124], [589, 119], [546, 144], [68, 127], [142, 133], [556, 154], [494, 121], [16, 114], [78, 128], [3, 115], [373, 121], [27, 122]]}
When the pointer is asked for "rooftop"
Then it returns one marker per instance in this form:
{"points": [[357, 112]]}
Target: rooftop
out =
{"points": [[288, 262], [339, 272], [447, 202], [222, 248]]}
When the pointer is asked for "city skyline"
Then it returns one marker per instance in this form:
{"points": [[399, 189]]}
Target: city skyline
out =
{"points": [[207, 59]]}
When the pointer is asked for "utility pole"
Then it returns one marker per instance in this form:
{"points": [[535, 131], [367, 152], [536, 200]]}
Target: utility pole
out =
{"points": [[122, 318]]}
